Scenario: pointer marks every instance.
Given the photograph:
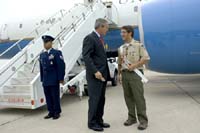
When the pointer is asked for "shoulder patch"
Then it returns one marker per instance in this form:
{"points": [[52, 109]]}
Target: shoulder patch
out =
{"points": [[60, 54], [61, 57]]}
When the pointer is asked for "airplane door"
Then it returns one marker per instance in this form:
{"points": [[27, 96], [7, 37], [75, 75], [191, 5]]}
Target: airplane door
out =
{"points": [[4, 32]]}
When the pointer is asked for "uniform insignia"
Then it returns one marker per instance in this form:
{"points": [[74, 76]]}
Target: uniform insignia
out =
{"points": [[51, 57], [61, 57], [51, 62]]}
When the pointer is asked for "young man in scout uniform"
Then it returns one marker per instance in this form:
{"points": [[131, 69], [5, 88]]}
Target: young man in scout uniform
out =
{"points": [[133, 55], [52, 72]]}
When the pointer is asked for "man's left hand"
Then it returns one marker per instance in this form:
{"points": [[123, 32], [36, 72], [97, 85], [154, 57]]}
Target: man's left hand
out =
{"points": [[131, 67]]}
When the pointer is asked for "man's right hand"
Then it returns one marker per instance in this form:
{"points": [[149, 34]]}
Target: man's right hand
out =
{"points": [[98, 75]]}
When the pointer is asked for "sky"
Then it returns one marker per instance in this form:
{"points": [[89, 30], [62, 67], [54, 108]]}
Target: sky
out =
{"points": [[18, 10]]}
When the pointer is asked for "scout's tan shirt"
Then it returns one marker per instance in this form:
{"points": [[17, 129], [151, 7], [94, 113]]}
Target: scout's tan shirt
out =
{"points": [[133, 52]]}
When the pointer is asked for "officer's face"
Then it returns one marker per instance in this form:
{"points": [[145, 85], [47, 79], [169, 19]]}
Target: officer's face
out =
{"points": [[48, 45], [125, 35]]}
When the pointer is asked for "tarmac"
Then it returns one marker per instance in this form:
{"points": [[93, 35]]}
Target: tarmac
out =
{"points": [[173, 106]]}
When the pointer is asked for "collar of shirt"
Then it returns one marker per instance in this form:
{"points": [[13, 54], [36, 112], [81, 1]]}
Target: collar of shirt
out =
{"points": [[97, 33], [47, 50], [130, 43]]}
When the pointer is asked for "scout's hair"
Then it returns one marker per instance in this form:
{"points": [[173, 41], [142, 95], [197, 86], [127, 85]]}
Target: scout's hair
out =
{"points": [[129, 29], [100, 23]]}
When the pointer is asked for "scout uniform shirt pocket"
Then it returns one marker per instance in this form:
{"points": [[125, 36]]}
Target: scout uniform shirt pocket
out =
{"points": [[133, 54]]}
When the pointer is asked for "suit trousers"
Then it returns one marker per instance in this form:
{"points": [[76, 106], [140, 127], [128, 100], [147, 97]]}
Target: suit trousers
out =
{"points": [[96, 92], [52, 94]]}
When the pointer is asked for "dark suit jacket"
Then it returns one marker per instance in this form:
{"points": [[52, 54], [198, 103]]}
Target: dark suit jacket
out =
{"points": [[94, 56]]}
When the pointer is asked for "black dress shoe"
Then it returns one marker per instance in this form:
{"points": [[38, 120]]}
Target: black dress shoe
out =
{"points": [[143, 126], [48, 116], [105, 125], [129, 122], [57, 116], [96, 127]]}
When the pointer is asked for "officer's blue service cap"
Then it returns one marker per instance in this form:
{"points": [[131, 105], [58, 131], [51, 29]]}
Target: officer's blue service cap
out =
{"points": [[47, 38]]}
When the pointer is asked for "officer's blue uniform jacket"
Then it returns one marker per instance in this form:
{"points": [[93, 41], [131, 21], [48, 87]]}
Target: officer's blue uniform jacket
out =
{"points": [[52, 67]]}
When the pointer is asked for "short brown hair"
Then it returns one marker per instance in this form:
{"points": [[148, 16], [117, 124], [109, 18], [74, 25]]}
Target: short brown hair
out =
{"points": [[129, 29], [100, 22]]}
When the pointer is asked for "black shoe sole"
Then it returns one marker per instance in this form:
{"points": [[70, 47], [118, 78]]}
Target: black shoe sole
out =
{"points": [[56, 118], [103, 126], [97, 130], [48, 117], [130, 124], [142, 129]]}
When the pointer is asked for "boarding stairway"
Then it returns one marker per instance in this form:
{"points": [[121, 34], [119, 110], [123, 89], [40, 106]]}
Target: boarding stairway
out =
{"points": [[20, 85]]}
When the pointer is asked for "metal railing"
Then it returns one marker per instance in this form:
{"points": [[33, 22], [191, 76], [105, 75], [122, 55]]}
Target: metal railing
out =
{"points": [[13, 60], [50, 21], [65, 31]]}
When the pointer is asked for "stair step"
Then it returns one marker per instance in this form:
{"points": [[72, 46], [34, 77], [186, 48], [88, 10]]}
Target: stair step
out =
{"points": [[26, 74], [29, 72], [29, 67], [17, 89], [22, 81], [16, 94]]}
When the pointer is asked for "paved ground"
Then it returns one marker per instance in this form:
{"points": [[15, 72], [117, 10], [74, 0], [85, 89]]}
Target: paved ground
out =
{"points": [[173, 103]]}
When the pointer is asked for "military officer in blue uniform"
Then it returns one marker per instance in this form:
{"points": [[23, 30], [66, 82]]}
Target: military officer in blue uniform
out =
{"points": [[52, 72]]}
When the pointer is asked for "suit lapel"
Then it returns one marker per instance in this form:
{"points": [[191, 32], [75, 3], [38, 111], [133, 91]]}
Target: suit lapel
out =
{"points": [[97, 39]]}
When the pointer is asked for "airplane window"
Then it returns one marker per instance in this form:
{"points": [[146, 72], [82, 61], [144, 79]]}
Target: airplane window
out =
{"points": [[42, 22], [90, 1], [136, 9], [53, 20], [126, 1], [48, 21], [123, 1], [20, 26], [59, 19]]}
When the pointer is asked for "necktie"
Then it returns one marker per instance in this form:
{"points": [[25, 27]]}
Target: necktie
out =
{"points": [[102, 41]]}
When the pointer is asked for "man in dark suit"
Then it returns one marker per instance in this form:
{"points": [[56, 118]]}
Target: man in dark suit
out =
{"points": [[97, 74], [52, 72]]}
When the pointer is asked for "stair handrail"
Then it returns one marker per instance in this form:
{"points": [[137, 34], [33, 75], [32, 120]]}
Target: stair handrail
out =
{"points": [[23, 38], [63, 32], [1, 72], [36, 29]]}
